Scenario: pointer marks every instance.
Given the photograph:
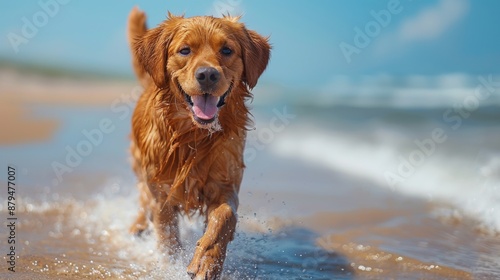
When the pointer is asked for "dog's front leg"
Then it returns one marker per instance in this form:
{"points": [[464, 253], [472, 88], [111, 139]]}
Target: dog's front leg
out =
{"points": [[165, 220], [210, 252]]}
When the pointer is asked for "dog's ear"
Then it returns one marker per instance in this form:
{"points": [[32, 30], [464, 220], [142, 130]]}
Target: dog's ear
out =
{"points": [[151, 50], [256, 52]]}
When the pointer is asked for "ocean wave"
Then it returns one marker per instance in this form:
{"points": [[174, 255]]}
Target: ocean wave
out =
{"points": [[415, 91], [470, 184]]}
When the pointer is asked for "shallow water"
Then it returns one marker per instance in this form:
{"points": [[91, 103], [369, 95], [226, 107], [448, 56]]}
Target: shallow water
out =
{"points": [[78, 239]]}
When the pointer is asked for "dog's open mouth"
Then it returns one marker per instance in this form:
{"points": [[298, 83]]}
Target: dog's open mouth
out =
{"points": [[205, 107]]}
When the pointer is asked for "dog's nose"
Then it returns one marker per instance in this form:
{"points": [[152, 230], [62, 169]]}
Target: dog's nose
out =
{"points": [[207, 76]]}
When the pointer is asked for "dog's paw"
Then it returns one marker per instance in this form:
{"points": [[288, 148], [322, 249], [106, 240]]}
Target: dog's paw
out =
{"points": [[137, 230], [139, 227], [206, 263]]}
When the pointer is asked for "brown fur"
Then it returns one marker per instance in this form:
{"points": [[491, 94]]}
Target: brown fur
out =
{"points": [[184, 166]]}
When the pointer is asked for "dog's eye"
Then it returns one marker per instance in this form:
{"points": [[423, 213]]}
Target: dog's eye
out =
{"points": [[226, 51], [185, 51]]}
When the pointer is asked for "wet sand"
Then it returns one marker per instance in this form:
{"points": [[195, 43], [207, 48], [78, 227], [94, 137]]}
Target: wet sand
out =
{"points": [[20, 94], [19, 126], [296, 221]]}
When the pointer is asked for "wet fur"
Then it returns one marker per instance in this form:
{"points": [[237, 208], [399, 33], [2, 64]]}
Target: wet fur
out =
{"points": [[184, 166]]}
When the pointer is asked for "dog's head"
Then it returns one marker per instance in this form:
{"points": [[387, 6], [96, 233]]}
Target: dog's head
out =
{"points": [[202, 60]]}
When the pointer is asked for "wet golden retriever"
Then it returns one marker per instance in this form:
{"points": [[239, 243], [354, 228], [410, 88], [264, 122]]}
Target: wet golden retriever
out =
{"points": [[189, 127]]}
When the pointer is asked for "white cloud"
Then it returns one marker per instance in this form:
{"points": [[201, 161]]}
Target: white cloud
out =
{"points": [[220, 8], [433, 21], [428, 24]]}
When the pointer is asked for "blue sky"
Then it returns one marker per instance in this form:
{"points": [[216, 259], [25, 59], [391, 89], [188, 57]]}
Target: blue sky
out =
{"points": [[427, 37]]}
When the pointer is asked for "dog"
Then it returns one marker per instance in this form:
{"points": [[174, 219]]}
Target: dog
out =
{"points": [[189, 127]]}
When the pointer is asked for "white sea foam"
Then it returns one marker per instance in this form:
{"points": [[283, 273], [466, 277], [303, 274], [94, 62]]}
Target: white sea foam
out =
{"points": [[103, 222], [472, 185]]}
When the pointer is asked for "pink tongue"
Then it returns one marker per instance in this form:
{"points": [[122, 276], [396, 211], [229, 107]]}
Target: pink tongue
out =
{"points": [[205, 106]]}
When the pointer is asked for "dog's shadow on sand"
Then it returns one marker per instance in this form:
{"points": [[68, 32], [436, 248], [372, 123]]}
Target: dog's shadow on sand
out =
{"points": [[290, 253]]}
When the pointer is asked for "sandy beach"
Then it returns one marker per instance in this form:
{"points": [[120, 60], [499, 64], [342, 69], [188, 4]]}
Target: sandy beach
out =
{"points": [[297, 220]]}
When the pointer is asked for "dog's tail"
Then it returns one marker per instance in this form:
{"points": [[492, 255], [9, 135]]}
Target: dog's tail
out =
{"points": [[136, 29]]}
